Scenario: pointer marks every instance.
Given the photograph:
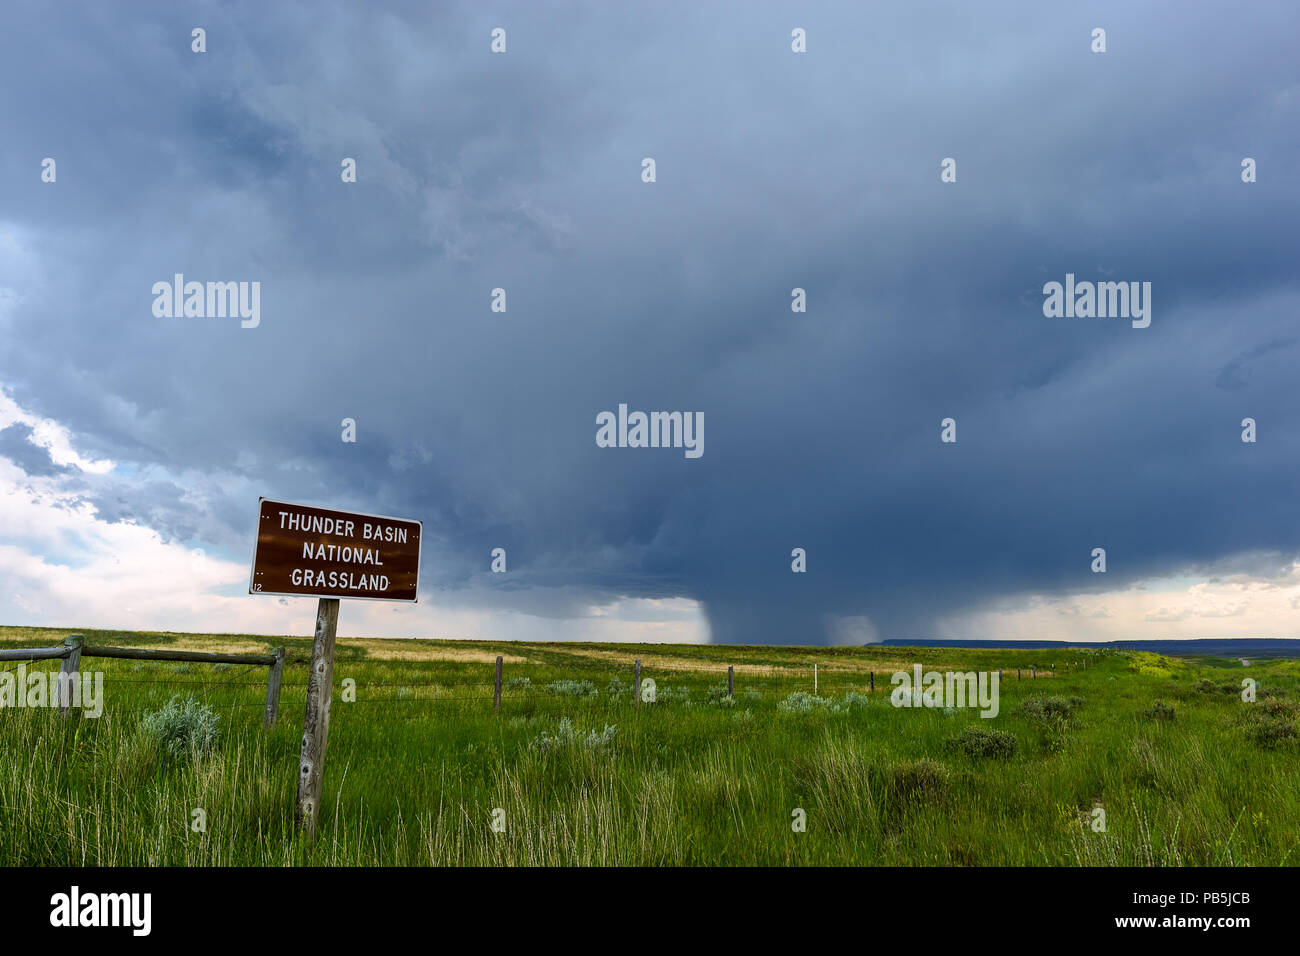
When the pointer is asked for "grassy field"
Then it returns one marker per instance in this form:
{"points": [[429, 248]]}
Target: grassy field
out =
{"points": [[1185, 771]]}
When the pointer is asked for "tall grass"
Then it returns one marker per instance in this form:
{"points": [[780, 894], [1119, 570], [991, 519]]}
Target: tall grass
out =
{"points": [[418, 764]]}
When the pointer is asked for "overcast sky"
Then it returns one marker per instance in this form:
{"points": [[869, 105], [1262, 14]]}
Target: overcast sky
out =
{"points": [[133, 448]]}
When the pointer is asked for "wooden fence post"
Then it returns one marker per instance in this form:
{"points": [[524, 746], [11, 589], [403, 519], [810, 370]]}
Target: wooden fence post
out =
{"points": [[872, 675], [316, 726], [1033, 672], [1017, 673], [731, 681], [273, 689], [68, 671], [636, 683], [814, 678], [496, 698]]}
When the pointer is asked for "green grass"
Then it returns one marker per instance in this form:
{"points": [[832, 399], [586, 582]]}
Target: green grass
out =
{"points": [[416, 766]]}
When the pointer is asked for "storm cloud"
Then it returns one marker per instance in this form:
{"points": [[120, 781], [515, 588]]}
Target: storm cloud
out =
{"points": [[775, 171]]}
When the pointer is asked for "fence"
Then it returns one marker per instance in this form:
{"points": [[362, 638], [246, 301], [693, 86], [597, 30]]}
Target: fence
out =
{"points": [[515, 695], [553, 692], [75, 648]]}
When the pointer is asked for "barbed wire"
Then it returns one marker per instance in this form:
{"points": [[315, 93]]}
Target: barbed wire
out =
{"points": [[530, 695], [206, 693], [131, 680]]}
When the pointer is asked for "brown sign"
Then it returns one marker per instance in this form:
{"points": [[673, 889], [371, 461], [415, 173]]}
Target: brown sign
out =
{"points": [[303, 551]]}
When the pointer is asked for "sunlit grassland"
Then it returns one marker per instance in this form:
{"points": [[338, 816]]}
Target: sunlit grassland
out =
{"points": [[417, 764]]}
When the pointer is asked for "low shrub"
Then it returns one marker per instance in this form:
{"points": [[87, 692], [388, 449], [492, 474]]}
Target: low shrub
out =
{"points": [[571, 688], [1271, 731], [920, 781], [984, 742], [1207, 686], [664, 694], [183, 727], [802, 702], [853, 701], [1279, 707], [567, 737], [1158, 710], [1048, 709], [719, 697]]}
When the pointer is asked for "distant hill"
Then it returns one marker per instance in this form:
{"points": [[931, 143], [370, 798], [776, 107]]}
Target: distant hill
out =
{"points": [[1207, 647]]}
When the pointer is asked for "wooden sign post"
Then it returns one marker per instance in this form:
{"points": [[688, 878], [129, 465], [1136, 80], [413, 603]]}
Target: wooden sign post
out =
{"points": [[316, 728], [304, 551]]}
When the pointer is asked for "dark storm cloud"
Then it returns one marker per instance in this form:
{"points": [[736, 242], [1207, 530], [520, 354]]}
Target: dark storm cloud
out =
{"points": [[34, 459], [160, 505], [775, 171]]}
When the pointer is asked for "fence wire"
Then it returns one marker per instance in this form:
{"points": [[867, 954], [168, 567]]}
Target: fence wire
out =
{"points": [[528, 695]]}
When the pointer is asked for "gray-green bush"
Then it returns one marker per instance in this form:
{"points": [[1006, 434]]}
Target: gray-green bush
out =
{"points": [[984, 742], [566, 736], [183, 727], [571, 688]]}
